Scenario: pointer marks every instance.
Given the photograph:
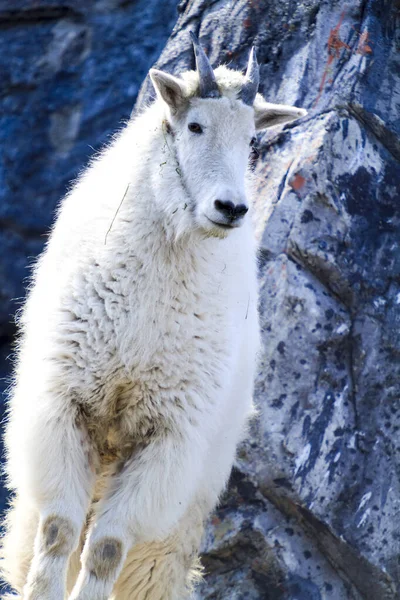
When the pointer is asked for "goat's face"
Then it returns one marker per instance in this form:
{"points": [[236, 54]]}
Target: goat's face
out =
{"points": [[213, 118], [213, 140]]}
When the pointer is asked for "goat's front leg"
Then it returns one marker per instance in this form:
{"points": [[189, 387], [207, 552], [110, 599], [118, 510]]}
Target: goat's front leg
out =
{"points": [[49, 465], [145, 501]]}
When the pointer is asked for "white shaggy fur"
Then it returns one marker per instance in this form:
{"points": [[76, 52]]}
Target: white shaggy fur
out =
{"points": [[137, 358]]}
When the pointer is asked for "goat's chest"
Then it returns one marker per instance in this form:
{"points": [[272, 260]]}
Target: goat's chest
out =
{"points": [[178, 319], [175, 328]]}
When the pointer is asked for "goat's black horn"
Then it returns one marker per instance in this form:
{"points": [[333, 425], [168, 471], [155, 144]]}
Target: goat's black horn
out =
{"points": [[250, 86], [208, 84]]}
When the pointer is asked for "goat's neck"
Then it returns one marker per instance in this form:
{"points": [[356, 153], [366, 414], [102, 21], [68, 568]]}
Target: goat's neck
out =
{"points": [[161, 201], [158, 210]]}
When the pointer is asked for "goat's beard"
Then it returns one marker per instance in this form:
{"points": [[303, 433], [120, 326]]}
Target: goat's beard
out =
{"points": [[216, 232]]}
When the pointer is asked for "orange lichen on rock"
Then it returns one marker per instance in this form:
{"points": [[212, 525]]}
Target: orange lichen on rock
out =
{"points": [[297, 182], [364, 44], [335, 46]]}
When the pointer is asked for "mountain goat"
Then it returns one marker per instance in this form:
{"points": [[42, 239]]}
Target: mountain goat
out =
{"points": [[138, 351]]}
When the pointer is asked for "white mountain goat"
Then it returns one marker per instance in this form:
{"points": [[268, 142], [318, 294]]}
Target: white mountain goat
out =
{"points": [[138, 353]]}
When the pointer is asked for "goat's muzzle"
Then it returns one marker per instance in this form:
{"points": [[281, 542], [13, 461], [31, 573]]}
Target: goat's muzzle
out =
{"points": [[230, 212]]}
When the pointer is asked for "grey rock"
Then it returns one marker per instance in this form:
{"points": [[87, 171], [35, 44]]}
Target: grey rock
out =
{"points": [[322, 458]]}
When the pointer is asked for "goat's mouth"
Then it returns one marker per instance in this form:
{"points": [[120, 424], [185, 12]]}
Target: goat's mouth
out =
{"points": [[222, 225]]}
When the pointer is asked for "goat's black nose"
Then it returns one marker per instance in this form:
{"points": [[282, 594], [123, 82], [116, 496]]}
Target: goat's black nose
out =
{"points": [[230, 210]]}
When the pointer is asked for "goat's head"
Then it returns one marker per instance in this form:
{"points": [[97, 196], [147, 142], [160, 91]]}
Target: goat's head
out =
{"points": [[213, 117]]}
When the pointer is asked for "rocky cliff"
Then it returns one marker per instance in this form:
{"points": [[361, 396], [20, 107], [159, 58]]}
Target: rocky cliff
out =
{"points": [[70, 74], [312, 509]]}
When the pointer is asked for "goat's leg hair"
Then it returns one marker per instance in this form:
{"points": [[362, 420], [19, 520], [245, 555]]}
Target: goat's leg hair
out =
{"points": [[144, 503]]}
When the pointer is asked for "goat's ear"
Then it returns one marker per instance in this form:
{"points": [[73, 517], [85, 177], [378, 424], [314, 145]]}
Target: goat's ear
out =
{"points": [[267, 115], [169, 88]]}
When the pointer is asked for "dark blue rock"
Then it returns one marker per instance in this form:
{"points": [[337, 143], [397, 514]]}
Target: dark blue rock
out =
{"points": [[70, 74]]}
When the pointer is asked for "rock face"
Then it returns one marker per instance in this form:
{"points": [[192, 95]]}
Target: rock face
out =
{"points": [[70, 73], [312, 508]]}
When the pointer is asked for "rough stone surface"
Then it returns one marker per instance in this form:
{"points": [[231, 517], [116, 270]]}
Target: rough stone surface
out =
{"points": [[70, 73], [312, 509]]}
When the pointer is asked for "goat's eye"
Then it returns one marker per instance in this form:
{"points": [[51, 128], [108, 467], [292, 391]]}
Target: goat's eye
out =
{"points": [[195, 128], [253, 141]]}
